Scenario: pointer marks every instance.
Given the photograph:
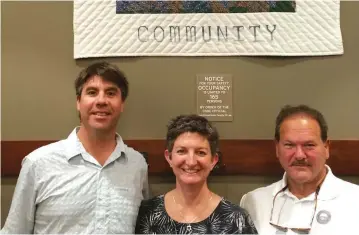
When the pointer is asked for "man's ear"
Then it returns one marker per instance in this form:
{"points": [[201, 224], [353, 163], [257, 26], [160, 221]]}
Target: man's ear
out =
{"points": [[78, 104], [276, 148], [326, 146]]}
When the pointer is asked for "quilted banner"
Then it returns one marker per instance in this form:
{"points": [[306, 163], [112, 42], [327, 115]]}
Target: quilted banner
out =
{"points": [[110, 28]]}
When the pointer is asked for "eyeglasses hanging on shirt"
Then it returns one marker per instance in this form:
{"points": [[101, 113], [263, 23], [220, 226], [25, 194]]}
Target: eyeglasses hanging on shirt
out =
{"points": [[296, 230]]}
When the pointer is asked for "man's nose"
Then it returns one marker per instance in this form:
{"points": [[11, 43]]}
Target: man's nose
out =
{"points": [[101, 99], [299, 153]]}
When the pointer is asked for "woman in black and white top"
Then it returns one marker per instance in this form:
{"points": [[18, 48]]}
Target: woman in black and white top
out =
{"points": [[191, 151]]}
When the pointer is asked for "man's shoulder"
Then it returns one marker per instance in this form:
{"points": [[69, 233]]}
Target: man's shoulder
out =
{"points": [[264, 191], [347, 187], [233, 207], [46, 151], [259, 199], [134, 156]]}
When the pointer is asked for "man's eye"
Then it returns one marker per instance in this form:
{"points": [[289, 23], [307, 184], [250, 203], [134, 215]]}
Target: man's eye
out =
{"points": [[91, 92], [111, 93], [288, 145], [180, 151]]}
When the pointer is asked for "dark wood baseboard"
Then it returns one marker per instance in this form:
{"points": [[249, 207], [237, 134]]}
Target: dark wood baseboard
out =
{"points": [[239, 157]]}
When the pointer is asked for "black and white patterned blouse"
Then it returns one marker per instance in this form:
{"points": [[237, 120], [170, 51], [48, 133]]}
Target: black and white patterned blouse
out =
{"points": [[227, 218]]}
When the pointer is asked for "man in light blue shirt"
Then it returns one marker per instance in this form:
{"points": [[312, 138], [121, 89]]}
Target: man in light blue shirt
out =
{"points": [[90, 182]]}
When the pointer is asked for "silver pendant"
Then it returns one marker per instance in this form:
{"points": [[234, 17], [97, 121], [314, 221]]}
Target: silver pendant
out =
{"points": [[189, 228]]}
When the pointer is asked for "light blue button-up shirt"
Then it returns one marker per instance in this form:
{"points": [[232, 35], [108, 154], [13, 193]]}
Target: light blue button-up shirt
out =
{"points": [[63, 189]]}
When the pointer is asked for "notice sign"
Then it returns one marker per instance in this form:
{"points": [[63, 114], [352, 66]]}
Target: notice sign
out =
{"points": [[214, 97]]}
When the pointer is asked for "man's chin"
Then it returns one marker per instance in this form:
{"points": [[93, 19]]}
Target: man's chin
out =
{"points": [[102, 127], [300, 176]]}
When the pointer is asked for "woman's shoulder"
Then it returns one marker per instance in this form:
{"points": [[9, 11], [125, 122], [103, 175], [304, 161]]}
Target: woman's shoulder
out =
{"points": [[151, 206], [153, 202], [227, 205], [239, 217]]}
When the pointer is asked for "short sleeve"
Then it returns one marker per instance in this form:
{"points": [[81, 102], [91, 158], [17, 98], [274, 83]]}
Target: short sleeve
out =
{"points": [[22, 210]]}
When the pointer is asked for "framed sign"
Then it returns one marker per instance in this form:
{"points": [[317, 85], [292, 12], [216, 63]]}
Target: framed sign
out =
{"points": [[214, 97]]}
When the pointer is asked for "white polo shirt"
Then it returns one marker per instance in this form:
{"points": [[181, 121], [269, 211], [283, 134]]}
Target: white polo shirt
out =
{"points": [[337, 209]]}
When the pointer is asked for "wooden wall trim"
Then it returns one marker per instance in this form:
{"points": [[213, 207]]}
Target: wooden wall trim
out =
{"points": [[245, 157]]}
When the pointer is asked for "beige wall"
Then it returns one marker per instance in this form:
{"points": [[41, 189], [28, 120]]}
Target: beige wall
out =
{"points": [[38, 70], [38, 99]]}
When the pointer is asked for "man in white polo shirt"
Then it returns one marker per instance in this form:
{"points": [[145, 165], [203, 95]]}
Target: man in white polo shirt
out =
{"points": [[309, 199]]}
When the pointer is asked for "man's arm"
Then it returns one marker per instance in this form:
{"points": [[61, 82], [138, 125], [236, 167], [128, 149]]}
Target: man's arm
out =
{"points": [[146, 188], [21, 216], [248, 203], [243, 201]]}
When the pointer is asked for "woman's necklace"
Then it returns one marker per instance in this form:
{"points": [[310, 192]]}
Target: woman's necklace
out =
{"points": [[189, 227]]}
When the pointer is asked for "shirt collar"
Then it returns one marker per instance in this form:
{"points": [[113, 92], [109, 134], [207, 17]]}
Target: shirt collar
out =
{"points": [[74, 146], [328, 190]]}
